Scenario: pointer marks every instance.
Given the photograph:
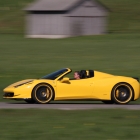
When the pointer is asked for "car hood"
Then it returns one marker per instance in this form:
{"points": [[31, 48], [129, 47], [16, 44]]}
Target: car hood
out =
{"points": [[21, 82]]}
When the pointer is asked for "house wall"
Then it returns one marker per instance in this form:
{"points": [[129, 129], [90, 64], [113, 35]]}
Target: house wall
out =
{"points": [[87, 26], [88, 19], [46, 25]]}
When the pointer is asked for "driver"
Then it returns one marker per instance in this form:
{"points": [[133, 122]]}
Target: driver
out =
{"points": [[76, 75]]}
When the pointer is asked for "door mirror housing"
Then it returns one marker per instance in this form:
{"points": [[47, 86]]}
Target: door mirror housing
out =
{"points": [[65, 80]]}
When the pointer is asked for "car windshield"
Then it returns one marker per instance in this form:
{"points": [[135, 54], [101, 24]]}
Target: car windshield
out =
{"points": [[54, 75]]}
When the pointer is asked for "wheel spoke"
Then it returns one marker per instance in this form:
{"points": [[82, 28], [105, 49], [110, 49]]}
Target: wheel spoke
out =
{"points": [[117, 93], [48, 93]]}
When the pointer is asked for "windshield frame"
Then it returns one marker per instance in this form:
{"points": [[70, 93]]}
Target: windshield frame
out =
{"points": [[56, 74]]}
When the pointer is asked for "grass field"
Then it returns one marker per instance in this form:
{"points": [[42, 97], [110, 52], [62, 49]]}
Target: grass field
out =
{"points": [[123, 16], [22, 58], [69, 125]]}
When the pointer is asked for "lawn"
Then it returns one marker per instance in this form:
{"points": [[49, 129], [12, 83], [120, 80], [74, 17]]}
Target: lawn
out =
{"points": [[22, 58], [69, 125]]}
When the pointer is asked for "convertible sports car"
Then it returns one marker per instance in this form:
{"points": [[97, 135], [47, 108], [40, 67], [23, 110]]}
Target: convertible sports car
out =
{"points": [[93, 85]]}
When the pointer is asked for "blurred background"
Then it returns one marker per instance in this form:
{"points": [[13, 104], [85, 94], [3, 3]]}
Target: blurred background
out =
{"points": [[41, 36]]}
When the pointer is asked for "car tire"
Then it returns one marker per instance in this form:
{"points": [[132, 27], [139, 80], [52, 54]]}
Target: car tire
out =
{"points": [[29, 101], [108, 102], [43, 93], [122, 93]]}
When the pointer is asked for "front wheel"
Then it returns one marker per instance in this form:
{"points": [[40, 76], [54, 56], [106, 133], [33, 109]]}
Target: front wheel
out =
{"points": [[122, 93], [43, 93]]}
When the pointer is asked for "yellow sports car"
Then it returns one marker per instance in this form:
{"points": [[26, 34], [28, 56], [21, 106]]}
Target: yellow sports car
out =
{"points": [[93, 85]]}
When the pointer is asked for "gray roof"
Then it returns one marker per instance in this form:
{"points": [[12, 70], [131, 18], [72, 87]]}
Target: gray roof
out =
{"points": [[51, 5]]}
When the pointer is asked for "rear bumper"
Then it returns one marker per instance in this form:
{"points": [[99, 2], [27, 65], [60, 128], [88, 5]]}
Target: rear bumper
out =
{"points": [[136, 88]]}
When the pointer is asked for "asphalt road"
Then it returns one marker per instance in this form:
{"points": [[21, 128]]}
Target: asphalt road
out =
{"points": [[67, 106]]}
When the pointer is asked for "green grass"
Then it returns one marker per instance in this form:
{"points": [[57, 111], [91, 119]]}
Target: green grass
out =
{"points": [[71, 125], [123, 16], [13, 16], [22, 58]]}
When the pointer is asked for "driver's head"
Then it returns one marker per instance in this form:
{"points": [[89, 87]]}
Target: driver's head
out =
{"points": [[76, 75]]}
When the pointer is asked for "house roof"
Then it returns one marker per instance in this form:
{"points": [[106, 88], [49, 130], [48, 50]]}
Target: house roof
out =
{"points": [[56, 5], [51, 5]]}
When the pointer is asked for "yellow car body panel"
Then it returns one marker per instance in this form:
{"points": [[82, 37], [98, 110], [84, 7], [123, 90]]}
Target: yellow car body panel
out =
{"points": [[74, 89], [104, 86], [26, 89], [97, 87]]}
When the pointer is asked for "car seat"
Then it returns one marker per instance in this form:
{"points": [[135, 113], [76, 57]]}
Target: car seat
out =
{"points": [[91, 73], [83, 74]]}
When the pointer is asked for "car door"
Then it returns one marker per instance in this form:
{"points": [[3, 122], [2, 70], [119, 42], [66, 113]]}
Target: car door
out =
{"points": [[74, 89]]}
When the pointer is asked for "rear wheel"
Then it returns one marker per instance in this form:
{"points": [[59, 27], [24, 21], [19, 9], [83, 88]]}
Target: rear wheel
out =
{"points": [[122, 93], [43, 93]]}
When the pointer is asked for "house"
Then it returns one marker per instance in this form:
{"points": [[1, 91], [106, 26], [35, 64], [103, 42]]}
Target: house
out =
{"points": [[65, 18]]}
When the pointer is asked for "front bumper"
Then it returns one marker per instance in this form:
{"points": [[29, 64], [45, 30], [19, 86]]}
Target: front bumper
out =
{"points": [[8, 94], [23, 91]]}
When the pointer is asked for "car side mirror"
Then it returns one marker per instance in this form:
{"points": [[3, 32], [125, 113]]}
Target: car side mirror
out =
{"points": [[65, 80]]}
